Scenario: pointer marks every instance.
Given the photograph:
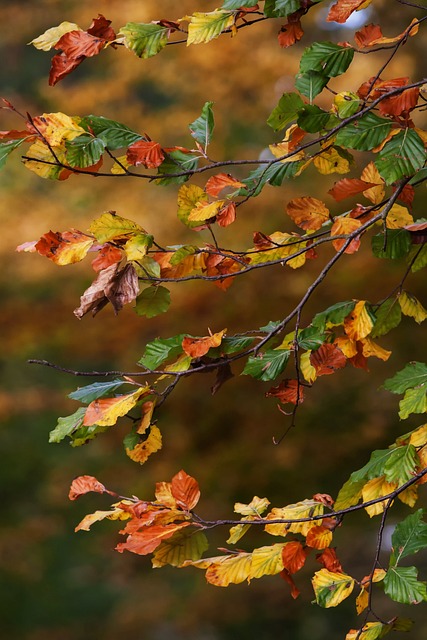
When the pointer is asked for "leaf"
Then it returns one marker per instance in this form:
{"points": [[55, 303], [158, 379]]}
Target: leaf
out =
{"points": [[198, 347], [319, 537], [143, 450], [374, 489], [365, 133], [346, 104], [227, 215], [369, 631], [294, 556], [348, 187], [183, 545], [92, 392], [80, 44], [62, 66], [285, 112], [106, 411], [327, 359], [290, 32], [111, 285], [6, 149], [185, 490], [327, 58], [287, 391], [202, 128], [64, 248], [177, 161], [145, 152], [160, 350], [401, 157], [388, 317], [205, 211], [330, 161], [66, 426], [146, 541], [188, 198], [311, 83], [251, 511], [401, 585], [331, 588], [334, 315], [84, 151], [281, 8], [204, 27], [85, 484], [359, 322], [401, 465], [145, 40], [409, 536], [414, 401], [413, 375], [152, 301], [89, 520], [137, 246], [109, 226], [412, 307], [273, 174], [43, 163], [300, 510], [221, 181], [47, 40], [114, 134], [268, 365], [342, 9], [346, 226], [308, 213], [328, 558], [312, 119], [395, 244]]}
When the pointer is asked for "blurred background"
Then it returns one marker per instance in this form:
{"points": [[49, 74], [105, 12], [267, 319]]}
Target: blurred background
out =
{"points": [[58, 585]]}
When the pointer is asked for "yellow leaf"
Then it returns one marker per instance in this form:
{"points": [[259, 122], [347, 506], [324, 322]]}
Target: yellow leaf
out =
{"points": [[307, 369], [303, 509], [50, 37], [164, 495], [205, 210], [137, 246], [412, 307], [370, 348], [183, 363], [362, 601], [376, 488], [58, 127], [189, 195], [256, 507], [331, 588], [117, 169], [44, 163], [419, 436], [141, 452], [409, 496], [97, 516], [105, 411], [266, 561], [318, 537], [204, 27], [308, 213], [109, 226], [229, 569], [398, 217], [370, 174], [347, 346], [359, 323], [345, 226], [330, 161]]}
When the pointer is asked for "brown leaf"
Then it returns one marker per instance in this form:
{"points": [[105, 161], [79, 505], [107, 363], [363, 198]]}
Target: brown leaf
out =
{"points": [[94, 298], [294, 556], [100, 28], [86, 484], [185, 490], [107, 255], [124, 287], [288, 578], [328, 558], [287, 391], [145, 152], [61, 66], [327, 359], [77, 44], [223, 373], [307, 213]]}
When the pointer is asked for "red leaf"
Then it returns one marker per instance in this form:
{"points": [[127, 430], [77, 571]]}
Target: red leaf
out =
{"points": [[287, 391], [290, 33], [61, 66], [406, 195], [145, 152], [227, 215], [294, 556], [100, 28], [107, 256], [76, 44], [86, 484], [328, 558], [288, 578], [327, 359], [349, 187], [185, 490], [217, 183]]}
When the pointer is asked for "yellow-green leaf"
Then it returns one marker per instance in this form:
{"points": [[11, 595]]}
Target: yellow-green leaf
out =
{"points": [[204, 27], [184, 545], [412, 307], [137, 246], [109, 226], [189, 195], [331, 588]]}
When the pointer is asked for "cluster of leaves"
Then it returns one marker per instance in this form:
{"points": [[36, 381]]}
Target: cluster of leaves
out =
{"points": [[374, 125]]}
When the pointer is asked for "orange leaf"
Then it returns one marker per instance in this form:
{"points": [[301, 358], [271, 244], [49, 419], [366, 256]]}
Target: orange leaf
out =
{"points": [[64, 248], [145, 541], [328, 558], [327, 359], [349, 187], [371, 35], [287, 391], [343, 9], [319, 537], [294, 556], [345, 226], [290, 33], [288, 578], [198, 347], [85, 484], [308, 213], [164, 495], [227, 215], [145, 152], [107, 256], [217, 183], [106, 411], [185, 490]]}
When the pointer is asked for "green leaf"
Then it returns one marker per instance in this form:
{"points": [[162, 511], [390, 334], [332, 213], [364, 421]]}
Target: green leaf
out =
{"points": [[311, 338], [160, 350], [145, 40], [114, 134], [365, 133], [231, 345], [176, 162], [92, 392], [268, 365], [236, 4], [374, 468], [414, 401], [401, 464], [346, 104], [67, 425], [311, 83], [202, 128], [334, 315], [273, 174], [131, 439], [147, 267], [349, 494], [280, 8], [181, 253], [396, 244], [271, 326], [312, 119], [285, 112], [84, 151], [401, 157], [327, 58], [6, 148], [421, 260], [401, 585], [388, 316], [413, 375], [83, 434], [152, 301], [409, 536]]}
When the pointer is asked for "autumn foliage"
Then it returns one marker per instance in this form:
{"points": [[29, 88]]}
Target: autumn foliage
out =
{"points": [[374, 133]]}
